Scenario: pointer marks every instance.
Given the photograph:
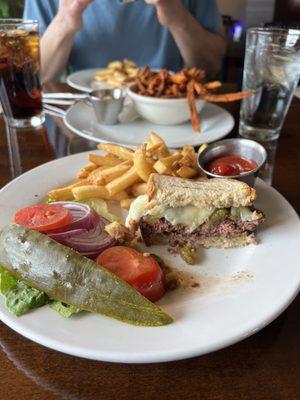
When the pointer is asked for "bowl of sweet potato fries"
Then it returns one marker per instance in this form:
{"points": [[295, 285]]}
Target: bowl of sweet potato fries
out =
{"points": [[171, 98]]}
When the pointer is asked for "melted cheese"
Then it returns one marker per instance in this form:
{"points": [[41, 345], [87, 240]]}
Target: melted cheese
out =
{"points": [[137, 209], [242, 213], [190, 216]]}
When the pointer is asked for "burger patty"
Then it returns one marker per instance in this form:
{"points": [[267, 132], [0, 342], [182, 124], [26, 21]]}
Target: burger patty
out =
{"points": [[162, 231]]}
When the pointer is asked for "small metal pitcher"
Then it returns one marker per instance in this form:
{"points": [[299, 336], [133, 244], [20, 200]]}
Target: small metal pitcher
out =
{"points": [[107, 104]]}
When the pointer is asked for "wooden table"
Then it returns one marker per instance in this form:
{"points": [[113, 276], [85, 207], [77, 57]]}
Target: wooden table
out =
{"points": [[264, 366]]}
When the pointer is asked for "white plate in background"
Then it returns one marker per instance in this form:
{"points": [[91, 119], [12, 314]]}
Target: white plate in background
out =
{"points": [[84, 80], [215, 121]]}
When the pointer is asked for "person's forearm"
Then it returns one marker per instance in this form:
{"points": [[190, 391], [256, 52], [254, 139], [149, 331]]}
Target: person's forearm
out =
{"points": [[198, 46], [56, 45]]}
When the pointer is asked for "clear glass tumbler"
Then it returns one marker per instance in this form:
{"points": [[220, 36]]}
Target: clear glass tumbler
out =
{"points": [[20, 88], [271, 71]]}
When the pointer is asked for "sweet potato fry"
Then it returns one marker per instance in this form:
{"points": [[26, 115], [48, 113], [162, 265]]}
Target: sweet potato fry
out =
{"points": [[212, 85], [178, 78], [226, 97], [189, 83], [191, 100], [199, 88]]}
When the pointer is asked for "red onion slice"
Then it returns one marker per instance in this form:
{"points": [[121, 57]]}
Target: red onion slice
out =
{"points": [[86, 233], [83, 215], [66, 235]]}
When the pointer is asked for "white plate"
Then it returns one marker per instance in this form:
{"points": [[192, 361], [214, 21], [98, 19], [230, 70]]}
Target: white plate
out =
{"points": [[242, 290], [84, 80], [216, 123]]}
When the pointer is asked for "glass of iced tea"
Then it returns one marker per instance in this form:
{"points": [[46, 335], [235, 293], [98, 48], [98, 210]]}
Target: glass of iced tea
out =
{"points": [[20, 88]]}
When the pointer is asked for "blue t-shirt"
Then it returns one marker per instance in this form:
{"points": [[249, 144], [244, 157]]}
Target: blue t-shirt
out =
{"points": [[113, 30]]}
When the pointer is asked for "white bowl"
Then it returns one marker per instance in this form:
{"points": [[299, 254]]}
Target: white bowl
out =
{"points": [[163, 111]]}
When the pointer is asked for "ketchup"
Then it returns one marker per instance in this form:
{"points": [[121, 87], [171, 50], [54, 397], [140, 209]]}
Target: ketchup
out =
{"points": [[230, 165]]}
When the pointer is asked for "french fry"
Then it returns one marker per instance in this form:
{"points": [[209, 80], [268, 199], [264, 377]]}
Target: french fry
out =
{"points": [[94, 176], [153, 148], [114, 82], [65, 193], [164, 165], [93, 191], [186, 161], [142, 166], [115, 65], [189, 152], [126, 203], [108, 174], [122, 182], [186, 172], [202, 147], [118, 73], [102, 161], [128, 63], [119, 151], [139, 189], [84, 172], [154, 139]]}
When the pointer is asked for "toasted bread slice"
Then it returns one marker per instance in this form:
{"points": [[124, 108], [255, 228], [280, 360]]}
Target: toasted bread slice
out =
{"points": [[217, 192]]}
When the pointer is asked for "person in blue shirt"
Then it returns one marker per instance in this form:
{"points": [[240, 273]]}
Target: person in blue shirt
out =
{"points": [[81, 34]]}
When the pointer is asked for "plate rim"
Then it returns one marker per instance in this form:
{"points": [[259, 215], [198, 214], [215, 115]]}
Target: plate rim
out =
{"points": [[82, 88], [155, 357]]}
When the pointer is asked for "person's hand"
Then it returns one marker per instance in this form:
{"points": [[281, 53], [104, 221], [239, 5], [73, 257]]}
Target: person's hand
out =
{"points": [[167, 10], [70, 12]]}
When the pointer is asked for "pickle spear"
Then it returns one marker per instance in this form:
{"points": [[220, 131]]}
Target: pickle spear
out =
{"points": [[67, 276]]}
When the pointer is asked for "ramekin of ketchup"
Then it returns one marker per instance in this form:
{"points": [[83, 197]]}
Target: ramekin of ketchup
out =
{"points": [[231, 165]]}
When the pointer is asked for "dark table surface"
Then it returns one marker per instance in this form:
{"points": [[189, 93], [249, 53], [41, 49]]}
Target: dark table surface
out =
{"points": [[264, 366]]}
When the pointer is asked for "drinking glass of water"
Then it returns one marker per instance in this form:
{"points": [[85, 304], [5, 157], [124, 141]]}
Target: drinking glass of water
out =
{"points": [[271, 71]]}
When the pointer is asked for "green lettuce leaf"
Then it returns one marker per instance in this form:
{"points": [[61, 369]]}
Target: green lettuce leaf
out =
{"points": [[22, 298], [49, 201], [65, 310], [101, 208]]}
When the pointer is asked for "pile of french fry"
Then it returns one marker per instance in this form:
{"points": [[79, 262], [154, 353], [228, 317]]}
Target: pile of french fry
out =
{"points": [[118, 73], [190, 83], [122, 173]]}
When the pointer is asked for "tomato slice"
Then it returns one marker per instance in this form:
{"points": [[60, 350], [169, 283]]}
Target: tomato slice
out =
{"points": [[141, 272], [43, 217]]}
